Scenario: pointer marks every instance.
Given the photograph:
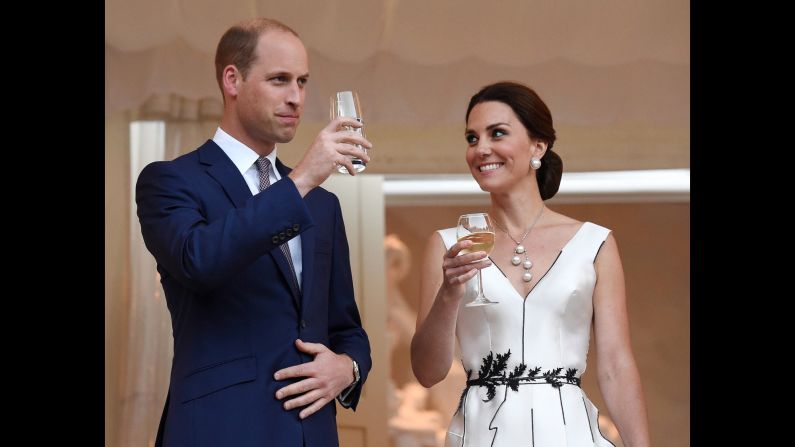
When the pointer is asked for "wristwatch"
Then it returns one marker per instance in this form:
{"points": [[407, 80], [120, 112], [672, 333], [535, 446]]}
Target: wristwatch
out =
{"points": [[356, 375]]}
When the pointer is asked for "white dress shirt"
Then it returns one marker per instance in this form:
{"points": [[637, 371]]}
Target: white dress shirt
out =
{"points": [[245, 159]]}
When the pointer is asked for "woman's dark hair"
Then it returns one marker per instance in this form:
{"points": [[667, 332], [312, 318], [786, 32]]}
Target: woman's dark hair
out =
{"points": [[535, 117]]}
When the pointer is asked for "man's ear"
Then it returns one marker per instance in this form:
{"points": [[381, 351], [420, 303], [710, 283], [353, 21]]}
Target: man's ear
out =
{"points": [[231, 79]]}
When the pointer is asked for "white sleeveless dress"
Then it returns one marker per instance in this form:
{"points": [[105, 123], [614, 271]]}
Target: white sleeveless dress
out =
{"points": [[525, 357]]}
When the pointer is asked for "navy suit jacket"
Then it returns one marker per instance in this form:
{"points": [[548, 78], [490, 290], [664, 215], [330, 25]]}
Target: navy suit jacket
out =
{"points": [[235, 310]]}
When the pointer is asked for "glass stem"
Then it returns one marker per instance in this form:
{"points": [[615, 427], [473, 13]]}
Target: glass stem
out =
{"points": [[480, 286]]}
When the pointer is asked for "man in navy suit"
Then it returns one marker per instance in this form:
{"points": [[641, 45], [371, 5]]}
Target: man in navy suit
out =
{"points": [[254, 262]]}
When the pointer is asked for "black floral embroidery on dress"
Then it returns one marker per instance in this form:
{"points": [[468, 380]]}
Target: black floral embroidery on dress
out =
{"points": [[551, 377], [570, 372], [492, 374], [513, 379]]}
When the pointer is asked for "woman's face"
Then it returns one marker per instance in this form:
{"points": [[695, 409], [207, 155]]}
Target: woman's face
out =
{"points": [[499, 147]]}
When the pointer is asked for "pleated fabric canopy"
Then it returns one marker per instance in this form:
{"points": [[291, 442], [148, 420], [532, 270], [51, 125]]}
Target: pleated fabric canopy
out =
{"points": [[615, 73]]}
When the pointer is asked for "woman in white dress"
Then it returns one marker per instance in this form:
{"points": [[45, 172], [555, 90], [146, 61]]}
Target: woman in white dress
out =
{"points": [[553, 277]]}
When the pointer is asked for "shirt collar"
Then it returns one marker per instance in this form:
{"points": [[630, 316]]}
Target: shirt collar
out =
{"points": [[241, 155]]}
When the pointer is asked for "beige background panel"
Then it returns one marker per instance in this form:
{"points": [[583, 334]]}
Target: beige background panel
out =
{"points": [[117, 215], [352, 436]]}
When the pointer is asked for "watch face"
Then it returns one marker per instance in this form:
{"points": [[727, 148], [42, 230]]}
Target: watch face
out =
{"points": [[355, 371]]}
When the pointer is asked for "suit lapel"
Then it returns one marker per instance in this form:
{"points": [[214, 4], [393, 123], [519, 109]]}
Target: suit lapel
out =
{"points": [[221, 168], [307, 249], [281, 260], [307, 263], [287, 275]]}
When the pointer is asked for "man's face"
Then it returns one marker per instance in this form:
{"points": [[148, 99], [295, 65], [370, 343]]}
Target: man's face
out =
{"points": [[270, 99]]}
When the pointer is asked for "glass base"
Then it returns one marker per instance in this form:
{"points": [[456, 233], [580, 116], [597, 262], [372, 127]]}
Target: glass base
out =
{"points": [[480, 302], [358, 166]]}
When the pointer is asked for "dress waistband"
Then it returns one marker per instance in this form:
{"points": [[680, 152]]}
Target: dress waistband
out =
{"points": [[552, 377], [493, 374]]}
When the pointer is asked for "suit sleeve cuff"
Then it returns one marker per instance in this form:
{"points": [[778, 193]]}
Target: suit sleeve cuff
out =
{"points": [[344, 397]]}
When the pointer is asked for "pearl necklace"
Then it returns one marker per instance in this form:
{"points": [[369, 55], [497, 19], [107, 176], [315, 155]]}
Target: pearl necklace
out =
{"points": [[527, 264]]}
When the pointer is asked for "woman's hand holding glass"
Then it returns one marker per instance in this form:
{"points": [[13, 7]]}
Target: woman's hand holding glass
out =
{"points": [[477, 229], [460, 269]]}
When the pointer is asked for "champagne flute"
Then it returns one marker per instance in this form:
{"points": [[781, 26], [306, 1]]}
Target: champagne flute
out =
{"points": [[347, 104], [477, 228]]}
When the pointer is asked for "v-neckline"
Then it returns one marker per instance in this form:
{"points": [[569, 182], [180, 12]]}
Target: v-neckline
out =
{"points": [[560, 252]]}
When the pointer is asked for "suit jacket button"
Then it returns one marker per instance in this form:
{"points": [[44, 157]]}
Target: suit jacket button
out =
{"points": [[289, 232], [296, 227], [275, 239], [282, 236], [303, 324]]}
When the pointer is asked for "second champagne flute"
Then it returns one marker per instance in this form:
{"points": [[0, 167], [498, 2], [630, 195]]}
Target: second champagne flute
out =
{"points": [[347, 104], [477, 228]]}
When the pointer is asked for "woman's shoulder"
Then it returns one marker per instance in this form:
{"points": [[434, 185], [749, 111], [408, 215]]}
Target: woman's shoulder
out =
{"points": [[566, 227], [564, 222]]}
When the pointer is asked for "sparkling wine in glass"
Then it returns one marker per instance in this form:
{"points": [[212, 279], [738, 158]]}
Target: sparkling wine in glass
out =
{"points": [[347, 104], [477, 228]]}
